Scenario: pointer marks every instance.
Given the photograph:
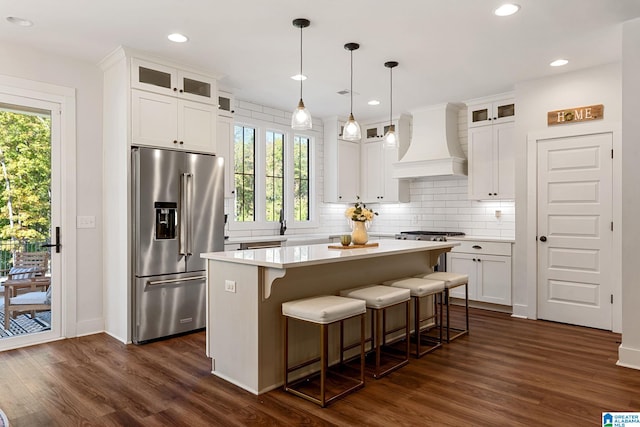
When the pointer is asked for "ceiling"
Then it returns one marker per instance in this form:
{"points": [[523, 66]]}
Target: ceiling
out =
{"points": [[450, 50]]}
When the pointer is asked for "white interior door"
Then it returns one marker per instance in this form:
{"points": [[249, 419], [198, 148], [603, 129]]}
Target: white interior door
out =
{"points": [[574, 230]]}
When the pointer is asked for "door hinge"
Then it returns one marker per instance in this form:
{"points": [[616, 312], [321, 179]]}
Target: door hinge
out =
{"points": [[611, 298], [611, 225], [612, 153]]}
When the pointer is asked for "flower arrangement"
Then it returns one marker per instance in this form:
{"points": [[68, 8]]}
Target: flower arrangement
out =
{"points": [[360, 212]]}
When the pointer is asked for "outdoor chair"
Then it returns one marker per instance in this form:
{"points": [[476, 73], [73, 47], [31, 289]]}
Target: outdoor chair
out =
{"points": [[31, 301]]}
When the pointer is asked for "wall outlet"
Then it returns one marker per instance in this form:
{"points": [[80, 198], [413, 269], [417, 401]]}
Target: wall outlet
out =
{"points": [[230, 286]]}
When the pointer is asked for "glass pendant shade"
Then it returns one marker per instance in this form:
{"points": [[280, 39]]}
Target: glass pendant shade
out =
{"points": [[390, 139], [351, 130], [301, 118]]}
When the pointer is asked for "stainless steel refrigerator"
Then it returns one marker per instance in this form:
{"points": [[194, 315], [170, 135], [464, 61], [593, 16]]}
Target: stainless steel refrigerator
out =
{"points": [[178, 213]]}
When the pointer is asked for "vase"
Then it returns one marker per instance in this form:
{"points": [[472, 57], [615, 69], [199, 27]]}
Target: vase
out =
{"points": [[359, 234]]}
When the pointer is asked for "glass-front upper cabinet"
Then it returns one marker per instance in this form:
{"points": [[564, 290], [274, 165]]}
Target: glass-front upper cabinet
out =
{"points": [[225, 104], [172, 81], [492, 112]]}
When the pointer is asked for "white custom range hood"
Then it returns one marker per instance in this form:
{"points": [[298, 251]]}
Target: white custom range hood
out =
{"points": [[435, 149]]}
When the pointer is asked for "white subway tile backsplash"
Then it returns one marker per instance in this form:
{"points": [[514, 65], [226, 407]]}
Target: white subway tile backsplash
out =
{"points": [[436, 204], [261, 116], [249, 106], [275, 113]]}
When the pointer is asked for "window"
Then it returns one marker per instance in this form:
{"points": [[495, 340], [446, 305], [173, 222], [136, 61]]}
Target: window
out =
{"points": [[274, 175], [301, 178], [244, 172]]}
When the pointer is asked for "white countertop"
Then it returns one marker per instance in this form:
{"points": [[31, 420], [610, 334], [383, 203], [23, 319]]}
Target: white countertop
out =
{"points": [[482, 239], [301, 256], [256, 239]]}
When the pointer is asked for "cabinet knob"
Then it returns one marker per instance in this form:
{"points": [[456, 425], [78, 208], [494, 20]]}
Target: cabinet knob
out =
{"points": [[543, 238], [479, 260], [181, 142], [181, 90], [489, 193], [175, 141], [495, 194], [175, 89], [474, 260], [339, 197], [489, 119]]}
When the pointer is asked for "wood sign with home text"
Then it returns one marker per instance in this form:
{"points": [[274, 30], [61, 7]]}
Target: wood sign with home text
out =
{"points": [[577, 114]]}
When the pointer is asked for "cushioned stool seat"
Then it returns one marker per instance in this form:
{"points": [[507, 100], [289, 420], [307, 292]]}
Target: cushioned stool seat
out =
{"points": [[323, 311], [378, 299], [419, 289], [453, 280]]}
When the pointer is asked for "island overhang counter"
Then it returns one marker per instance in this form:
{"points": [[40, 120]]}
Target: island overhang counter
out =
{"points": [[245, 291]]}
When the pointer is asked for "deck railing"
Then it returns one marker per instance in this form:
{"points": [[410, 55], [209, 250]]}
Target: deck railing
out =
{"points": [[8, 247]]}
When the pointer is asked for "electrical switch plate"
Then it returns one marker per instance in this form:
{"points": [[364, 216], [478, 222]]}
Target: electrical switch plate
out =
{"points": [[230, 286], [86, 222]]}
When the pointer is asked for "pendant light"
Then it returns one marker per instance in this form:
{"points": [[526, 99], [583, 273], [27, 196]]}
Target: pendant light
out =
{"points": [[301, 118], [351, 131], [390, 139]]}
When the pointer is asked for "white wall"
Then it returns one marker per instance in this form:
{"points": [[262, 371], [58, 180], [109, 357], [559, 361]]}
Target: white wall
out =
{"points": [[629, 352], [598, 85], [86, 78]]}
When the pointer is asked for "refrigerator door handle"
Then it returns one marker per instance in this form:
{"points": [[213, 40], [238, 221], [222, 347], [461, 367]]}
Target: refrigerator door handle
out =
{"points": [[189, 212], [169, 281], [183, 212]]}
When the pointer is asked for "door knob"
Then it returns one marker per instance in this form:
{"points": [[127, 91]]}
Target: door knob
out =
{"points": [[543, 238]]}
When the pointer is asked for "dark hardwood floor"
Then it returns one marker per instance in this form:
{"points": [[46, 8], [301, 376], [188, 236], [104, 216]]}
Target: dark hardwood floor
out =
{"points": [[508, 372]]}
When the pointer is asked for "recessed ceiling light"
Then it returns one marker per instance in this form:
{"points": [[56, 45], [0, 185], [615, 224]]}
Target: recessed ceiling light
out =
{"points": [[506, 9], [177, 38], [299, 77], [19, 21], [559, 63], [374, 102]]}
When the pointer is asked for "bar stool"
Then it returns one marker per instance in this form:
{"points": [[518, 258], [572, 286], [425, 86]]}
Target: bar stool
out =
{"points": [[378, 299], [453, 280], [323, 311], [420, 289]]}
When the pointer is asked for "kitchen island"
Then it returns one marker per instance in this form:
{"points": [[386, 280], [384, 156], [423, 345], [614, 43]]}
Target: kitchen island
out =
{"points": [[245, 290]]}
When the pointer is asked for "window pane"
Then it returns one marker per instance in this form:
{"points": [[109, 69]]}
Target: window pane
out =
{"points": [[301, 178], [244, 173], [274, 175]]}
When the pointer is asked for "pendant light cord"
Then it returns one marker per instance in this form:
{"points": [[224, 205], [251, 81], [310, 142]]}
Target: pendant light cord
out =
{"points": [[390, 96], [301, 62], [351, 82]]}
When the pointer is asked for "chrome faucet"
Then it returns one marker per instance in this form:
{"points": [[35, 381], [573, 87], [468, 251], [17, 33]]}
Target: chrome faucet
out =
{"points": [[283, 223]]}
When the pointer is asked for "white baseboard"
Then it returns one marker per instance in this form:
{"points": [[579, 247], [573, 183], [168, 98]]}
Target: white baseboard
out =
{"points": [[628, 357], [521, 311], [89, 327]]}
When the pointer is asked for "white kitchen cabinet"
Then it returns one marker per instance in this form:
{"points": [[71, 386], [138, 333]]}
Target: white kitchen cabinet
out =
{"points": [[224, 146], [377, 182], [492, 162], [491, 111], [225, 104], [488, 265], [172, 81], [164, 121], [341, 165], [164, 114]]}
